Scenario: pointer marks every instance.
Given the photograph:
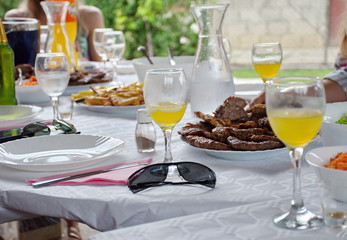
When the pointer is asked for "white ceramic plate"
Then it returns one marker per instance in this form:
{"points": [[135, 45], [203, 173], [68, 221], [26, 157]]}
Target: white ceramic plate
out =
{"points": [[11, 115], [244, 155], [113, 109], [58, 152]]}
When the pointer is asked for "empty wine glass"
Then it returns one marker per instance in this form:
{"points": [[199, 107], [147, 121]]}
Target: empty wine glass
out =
{"points": [[267, 59], [295, 107], [166, 97], [98, 41], [114, 45], [53, 74]]}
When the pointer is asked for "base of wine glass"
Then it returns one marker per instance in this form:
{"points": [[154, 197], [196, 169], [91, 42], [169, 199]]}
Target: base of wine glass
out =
{"points": [[298, 219]]}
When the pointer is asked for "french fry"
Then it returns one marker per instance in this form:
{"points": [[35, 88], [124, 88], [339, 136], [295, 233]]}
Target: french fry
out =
{"points": [[131, 94]]}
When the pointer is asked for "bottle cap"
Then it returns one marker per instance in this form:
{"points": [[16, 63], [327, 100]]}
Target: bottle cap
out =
{"points": [[143, 116]]}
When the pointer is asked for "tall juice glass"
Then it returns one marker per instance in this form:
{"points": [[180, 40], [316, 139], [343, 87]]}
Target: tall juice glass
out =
{"points": [[267, 59], [295, 107], [166, 97]]}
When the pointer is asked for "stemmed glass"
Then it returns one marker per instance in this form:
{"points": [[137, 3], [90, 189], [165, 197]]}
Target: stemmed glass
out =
{"points": [[53, 74], [166, 97], [98, 41], [267, 59], [295, 107], [114, 45]]}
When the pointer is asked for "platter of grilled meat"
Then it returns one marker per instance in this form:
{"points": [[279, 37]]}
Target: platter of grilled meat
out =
{"points": [[234, 132]]}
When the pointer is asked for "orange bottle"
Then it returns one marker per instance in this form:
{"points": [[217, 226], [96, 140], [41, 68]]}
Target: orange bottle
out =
{"points": [[71, 27]]}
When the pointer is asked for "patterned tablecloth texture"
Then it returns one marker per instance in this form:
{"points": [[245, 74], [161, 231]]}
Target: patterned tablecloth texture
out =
{"points": [[241, 206]]}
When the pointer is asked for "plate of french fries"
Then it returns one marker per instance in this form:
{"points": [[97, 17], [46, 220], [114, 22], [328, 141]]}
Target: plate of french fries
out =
{"points": [[112, 99]]}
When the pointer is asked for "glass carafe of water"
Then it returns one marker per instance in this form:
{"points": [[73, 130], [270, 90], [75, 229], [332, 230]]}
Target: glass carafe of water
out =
{"points": [[212, 80], [57, 38]]}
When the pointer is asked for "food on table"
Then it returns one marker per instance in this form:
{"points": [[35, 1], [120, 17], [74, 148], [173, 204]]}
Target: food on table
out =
{"points": [[232, 127], [31, 82], [131, 94], [342, 120], [27, 71], [339, 162], [77, 77]]}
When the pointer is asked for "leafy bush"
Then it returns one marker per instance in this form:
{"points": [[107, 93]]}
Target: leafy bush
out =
{"points": [[156, 24]]}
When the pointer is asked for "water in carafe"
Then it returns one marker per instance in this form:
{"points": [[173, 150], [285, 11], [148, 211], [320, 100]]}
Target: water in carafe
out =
{"points": [[212, 80]]}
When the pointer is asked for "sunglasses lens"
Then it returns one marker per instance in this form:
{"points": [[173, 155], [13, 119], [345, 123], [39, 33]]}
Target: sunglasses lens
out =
{"points": [[195, 172], [146, 177], [35, 129], [66, 127]]}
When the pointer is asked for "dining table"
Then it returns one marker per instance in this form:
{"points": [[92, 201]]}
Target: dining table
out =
{"points": [[248, 193]]}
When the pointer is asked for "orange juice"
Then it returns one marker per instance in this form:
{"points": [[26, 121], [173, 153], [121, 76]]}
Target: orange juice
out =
{"points": [[71, 28], [167, 114], [295, 127], [267, 70]]}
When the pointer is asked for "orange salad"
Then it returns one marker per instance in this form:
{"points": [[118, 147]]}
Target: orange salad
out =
{"points": [[339, 162], [31, 82]]}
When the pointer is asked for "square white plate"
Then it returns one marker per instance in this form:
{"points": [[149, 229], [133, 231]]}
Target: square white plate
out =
{"points": [[58, 152]]}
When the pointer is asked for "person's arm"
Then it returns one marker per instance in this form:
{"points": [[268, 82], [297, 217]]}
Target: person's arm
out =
{"points": [[91, 18], [16, 13], [333, 92]]}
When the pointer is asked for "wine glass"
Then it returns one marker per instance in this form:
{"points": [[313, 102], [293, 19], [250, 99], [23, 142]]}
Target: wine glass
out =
{"points": [[166, 97], [53, 75], [98, 41], [114, 45], [295, 107], [267, 59]]}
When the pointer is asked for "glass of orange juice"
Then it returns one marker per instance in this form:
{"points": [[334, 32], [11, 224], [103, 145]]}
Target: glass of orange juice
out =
{"points": [[267, 59], [295, 108], [166, 98]]}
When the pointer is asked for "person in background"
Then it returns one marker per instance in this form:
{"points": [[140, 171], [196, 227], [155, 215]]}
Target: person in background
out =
{"points": [[88, 18], [335, 83]]}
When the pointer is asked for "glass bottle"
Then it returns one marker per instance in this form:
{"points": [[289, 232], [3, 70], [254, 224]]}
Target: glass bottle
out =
{"points": [[144, 132], [57, 38], [212, 80], [71, 27], [7, 84]]}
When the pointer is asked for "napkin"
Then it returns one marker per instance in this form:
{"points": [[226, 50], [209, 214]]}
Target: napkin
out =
{"points": [[115, 177]]}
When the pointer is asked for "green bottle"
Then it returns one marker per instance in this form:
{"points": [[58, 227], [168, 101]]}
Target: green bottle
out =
{"points": [[7, 84]]}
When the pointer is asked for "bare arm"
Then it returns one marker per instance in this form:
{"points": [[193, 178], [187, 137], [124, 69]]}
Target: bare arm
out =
{"points": [[333, 91], [16, 13], [91, 18]]}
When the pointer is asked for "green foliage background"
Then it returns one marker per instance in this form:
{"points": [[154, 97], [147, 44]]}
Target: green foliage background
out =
{"points": [[156, 24]]}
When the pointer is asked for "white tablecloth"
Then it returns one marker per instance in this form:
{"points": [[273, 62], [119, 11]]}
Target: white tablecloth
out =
{"points": [[247, 193]]}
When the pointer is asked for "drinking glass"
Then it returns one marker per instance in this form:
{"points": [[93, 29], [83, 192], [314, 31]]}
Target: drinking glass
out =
{"points": [[166, 97], [295, 107], [114, 45], [53, 74], [98, 41], [267, 59]]}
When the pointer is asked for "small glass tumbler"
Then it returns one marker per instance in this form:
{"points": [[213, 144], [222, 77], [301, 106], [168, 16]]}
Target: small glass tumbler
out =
{"points": [[334, 210], [65, 107]]}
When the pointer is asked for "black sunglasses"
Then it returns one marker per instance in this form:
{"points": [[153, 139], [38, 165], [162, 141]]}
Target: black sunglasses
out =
{"points": [[39, 128], [156, 174]]}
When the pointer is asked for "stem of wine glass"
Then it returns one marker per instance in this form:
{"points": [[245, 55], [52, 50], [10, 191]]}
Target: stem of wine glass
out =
{"points": [[167, 135], [54, 101], [296, 156]]}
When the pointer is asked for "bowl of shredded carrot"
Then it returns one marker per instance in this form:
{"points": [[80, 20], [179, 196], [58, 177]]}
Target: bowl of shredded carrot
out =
{"points": [[29, 92], [330, 166], [334, 128]]}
